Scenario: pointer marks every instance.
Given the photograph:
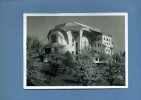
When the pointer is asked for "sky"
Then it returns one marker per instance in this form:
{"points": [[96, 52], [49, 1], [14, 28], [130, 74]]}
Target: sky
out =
{"points": [[39, 26]]}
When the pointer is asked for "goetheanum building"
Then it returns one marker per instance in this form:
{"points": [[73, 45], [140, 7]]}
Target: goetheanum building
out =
{"points": [[75, 37]]}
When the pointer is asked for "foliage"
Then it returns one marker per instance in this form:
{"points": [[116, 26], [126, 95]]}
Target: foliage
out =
{"points": [[81, 66], [68, 62], [58, 63], [113, 69], [33, 44], [55, 64], [85, 71], [34, 65], [55, 61]]}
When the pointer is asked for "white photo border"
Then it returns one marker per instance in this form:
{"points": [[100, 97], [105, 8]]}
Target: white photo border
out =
{"points": [[25, 15]]}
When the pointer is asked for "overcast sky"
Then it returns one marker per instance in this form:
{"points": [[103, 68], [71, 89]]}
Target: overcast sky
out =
{"points": [[115, 25]]}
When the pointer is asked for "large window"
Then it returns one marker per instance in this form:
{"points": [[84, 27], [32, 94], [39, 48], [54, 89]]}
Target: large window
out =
{"points": [[53, 39]]}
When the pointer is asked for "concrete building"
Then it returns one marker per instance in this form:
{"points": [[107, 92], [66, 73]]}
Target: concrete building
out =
{"points": [[76, 37]]}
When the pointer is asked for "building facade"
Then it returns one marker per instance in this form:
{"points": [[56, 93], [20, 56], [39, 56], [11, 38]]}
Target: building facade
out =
{"points": [[75, 38]]}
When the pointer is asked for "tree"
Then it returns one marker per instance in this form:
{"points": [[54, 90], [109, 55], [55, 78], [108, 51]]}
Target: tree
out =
{"points": [[116, 57], [34, 65], [85, 71], [112, 69], [54, 64], [57, 61], [67, 62]]}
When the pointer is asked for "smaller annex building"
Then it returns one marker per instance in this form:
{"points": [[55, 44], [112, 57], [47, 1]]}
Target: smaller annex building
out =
{"points": [[75, 37]]}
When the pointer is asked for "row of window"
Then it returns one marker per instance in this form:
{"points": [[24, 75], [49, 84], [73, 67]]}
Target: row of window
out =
{"points": [[98, 59], [107, 43], [98, 45], [97, 52], [107, 39], [98, 38]]}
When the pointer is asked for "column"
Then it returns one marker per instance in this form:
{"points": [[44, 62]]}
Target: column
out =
{"points": [[80, 40]]}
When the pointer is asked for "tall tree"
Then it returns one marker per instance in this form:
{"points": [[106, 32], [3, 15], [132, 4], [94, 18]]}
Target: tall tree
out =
{"points": [[34, 65], [85, 71], [113, 69]]}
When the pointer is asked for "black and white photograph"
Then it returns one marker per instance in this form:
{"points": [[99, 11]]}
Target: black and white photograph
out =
{"points": [[75, 50]]}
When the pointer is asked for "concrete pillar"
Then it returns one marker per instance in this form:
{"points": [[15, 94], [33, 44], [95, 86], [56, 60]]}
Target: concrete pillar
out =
{"points": [[80, 40]]}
